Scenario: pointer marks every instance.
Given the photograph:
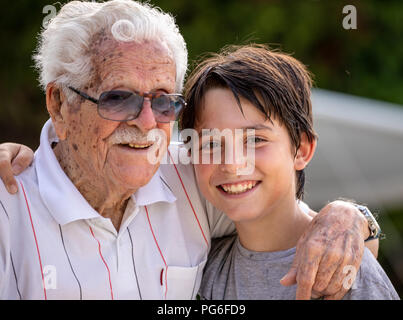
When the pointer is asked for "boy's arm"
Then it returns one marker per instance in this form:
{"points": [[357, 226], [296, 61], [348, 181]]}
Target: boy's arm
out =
{"points": [[14, 158]]}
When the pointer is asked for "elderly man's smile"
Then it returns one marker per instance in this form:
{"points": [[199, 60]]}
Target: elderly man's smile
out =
{"points": [[136, 146], [130, 140]]}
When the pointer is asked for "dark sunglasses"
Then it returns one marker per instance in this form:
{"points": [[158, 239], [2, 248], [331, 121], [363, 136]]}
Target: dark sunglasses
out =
{"points": [[123, 106]]}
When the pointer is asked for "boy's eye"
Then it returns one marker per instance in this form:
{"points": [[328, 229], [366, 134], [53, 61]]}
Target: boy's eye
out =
{"points": [[253, 140], [210, 146]]}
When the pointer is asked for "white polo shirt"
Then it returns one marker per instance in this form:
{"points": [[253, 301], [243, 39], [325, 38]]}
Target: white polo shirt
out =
{"points": [[54, 245]]}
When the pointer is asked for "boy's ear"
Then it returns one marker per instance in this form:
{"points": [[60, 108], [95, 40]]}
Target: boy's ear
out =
{"points": [[56, 103], [305, 152]]}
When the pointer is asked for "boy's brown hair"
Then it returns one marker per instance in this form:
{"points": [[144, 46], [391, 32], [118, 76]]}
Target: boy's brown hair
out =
{"points": [[276, 83]]}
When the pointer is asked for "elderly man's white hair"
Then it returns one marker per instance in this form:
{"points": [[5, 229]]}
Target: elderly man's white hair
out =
{"points": [[63, 54]]}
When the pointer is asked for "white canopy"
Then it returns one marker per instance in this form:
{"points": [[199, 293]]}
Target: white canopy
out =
{"points": [[359, 153]]}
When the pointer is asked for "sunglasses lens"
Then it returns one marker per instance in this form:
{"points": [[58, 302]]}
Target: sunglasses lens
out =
{"points": [[167, 107], [119, 105], [125, 106], [162, 109]]}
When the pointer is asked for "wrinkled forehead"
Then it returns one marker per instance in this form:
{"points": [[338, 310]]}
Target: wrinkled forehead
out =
{"points": [[151, 60], [104, 41]]}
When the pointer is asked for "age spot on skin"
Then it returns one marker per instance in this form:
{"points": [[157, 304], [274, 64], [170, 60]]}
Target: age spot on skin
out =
{"points": [[75, 108]]}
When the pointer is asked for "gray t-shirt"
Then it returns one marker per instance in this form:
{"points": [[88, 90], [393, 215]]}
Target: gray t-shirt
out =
{"points": [[235, 273]]}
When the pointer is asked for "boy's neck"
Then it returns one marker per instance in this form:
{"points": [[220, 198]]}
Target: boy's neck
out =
{"points": [[278, 230]]}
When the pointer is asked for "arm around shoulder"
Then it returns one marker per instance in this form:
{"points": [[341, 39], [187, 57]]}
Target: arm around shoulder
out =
{"points": [[372, 245]]}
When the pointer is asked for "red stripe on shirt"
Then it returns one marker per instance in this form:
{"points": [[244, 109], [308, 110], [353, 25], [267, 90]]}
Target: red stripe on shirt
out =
{"points": [[159, 249], [190, 202], [36, 240], [106, 265]]}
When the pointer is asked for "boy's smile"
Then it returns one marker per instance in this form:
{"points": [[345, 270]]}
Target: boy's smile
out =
{"points": [[238, 188]]}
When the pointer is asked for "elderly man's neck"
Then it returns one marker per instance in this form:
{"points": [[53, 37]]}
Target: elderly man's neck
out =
{"points": [[108, 200]]}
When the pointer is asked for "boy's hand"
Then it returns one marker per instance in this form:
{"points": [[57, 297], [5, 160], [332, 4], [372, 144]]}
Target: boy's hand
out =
{"points": [[14, 158], [333, 240]]}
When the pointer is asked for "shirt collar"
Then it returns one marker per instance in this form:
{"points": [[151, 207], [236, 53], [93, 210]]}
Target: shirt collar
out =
{"points": [[62, 198], [157, 190]]}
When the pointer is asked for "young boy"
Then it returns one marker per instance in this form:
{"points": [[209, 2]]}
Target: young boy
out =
{"points": [[252, 88]]}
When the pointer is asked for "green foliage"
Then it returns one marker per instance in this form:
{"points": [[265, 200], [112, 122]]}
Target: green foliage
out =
{"points": [[365, 62]]}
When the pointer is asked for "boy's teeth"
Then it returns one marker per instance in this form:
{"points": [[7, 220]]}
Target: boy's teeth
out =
{"points": [[239, 187]]}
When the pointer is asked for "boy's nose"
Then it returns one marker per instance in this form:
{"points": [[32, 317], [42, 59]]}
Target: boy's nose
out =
{"points": [[237, 163], [233, 164]]}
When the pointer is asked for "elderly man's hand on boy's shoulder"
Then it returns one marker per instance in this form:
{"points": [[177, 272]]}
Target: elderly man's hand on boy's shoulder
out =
{"points": [[326, 251]]}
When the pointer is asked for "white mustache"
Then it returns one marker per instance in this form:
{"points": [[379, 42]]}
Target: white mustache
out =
{"points": [[126, 135]]}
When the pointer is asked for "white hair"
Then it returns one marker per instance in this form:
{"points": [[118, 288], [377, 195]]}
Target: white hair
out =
{"points": [[63, 54]]}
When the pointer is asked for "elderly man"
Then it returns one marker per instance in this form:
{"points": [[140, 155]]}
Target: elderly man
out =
{"points": [[93, 218]]}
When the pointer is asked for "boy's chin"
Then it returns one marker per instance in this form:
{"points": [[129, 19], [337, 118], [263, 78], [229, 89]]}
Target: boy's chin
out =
{"points": [[242, 214]]}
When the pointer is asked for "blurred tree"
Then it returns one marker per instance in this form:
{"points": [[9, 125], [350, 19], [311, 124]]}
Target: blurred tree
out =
{"points": [[22, 110]]}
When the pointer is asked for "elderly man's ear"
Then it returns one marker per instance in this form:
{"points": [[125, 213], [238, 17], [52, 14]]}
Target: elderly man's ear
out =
{"points": [[305, 152], [57, 105]]}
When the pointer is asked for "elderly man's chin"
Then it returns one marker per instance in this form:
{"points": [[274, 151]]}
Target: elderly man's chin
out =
{"points": [[130, 167]]}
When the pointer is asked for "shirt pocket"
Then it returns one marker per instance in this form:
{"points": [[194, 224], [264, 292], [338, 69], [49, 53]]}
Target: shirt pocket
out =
{"points": [[183, 282]]}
